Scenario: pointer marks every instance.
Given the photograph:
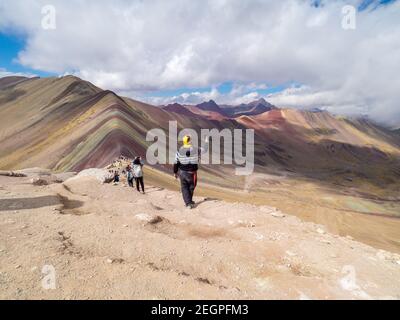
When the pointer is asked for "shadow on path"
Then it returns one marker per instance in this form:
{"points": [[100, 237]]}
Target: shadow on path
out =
{"points": [[205, 200], [36, 202]]}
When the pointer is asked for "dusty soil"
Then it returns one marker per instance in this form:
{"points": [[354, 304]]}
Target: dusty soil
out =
{"points": [[367, 214], [109, 242]]}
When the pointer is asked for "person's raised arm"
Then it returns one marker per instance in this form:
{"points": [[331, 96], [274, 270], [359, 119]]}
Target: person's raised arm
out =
{"points": [[176, 166], [205, 149]]}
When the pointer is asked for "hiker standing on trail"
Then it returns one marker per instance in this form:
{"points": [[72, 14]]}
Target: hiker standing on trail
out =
{"points": [[129, 175], [138, 173], [116, 177], [186, 166]]}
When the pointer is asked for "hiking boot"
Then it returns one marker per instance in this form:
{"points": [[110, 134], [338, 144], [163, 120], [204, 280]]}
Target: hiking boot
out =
{"points": [[190, 206]]}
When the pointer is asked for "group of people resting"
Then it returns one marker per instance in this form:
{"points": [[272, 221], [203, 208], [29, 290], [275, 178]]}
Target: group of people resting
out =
{"points": [[133, 172], [185, 167]]}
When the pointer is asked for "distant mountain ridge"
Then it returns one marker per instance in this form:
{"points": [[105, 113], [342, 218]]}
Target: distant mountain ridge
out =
{"points": [[213, 110], [210, 105], [10, 81], [253, 108], [178, 108], [69, 124]]}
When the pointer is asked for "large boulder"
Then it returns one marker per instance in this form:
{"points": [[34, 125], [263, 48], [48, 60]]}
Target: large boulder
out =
{"points": [[39, 176], [148, 219], [36, 172], [103, 175], [12, 174], [40, 181]]}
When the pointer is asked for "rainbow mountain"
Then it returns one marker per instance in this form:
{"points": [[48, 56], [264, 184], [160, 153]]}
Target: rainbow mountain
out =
{"points": [[68, 124]]}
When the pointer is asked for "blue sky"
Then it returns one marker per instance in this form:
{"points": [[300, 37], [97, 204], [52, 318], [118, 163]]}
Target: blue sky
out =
{"points": [[11, 45], [223, 88], [373, 3], [363, 5]]}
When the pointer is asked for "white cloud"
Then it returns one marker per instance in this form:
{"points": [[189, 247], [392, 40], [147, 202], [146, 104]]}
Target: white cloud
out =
{"points": [[139, 46], [306, 98], [185, 98], [238, 94], [5, 73]]}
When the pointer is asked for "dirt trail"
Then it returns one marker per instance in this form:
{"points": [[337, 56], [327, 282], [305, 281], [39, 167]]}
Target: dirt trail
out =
{"points": [[110, 242]]}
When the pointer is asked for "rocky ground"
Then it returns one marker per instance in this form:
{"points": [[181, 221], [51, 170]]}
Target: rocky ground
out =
{"points": [[81, 239]]}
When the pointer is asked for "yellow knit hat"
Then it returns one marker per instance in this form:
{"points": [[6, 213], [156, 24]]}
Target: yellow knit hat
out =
{"points": [[186, 141]]}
